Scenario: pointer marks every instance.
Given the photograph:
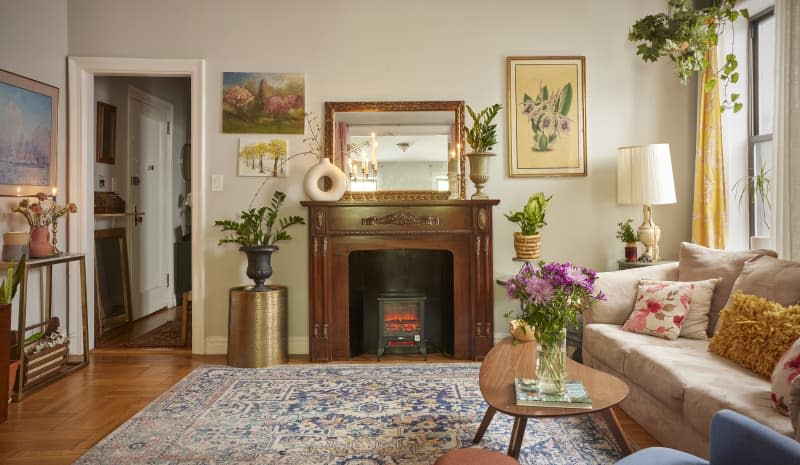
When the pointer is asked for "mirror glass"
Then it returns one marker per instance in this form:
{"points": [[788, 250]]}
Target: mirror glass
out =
{"points": [[112, 283], [396, 149]]}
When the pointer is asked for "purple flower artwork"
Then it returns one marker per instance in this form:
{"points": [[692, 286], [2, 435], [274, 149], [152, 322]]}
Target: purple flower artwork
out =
{"points": [[263, 103]]}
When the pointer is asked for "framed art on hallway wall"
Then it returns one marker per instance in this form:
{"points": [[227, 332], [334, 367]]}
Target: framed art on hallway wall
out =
{"points": [[28, 135], [546, 116]]}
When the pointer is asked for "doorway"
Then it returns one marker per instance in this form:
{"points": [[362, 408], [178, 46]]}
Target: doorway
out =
{"points": [[83, 179], [150, 132]]}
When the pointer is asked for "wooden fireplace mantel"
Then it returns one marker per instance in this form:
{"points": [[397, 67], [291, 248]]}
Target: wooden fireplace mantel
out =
{"points": [[463, 227]]}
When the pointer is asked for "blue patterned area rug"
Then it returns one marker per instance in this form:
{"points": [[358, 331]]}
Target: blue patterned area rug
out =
{"points": [[336, 414]]}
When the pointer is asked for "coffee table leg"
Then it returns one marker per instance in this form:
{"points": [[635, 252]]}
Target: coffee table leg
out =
{"points": [[616, 431], [517, 433], [487, 418]]}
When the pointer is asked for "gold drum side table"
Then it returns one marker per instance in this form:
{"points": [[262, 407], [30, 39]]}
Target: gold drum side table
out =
{"points": [[258, 326]]}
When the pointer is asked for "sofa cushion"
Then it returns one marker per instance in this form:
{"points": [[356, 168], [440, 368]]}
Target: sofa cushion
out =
{"points": [[695, 325], [755, 332], [659, 309], [610, 343], [696, 263], [739, 390], [786, 370], [772, 278], [620, 289]]}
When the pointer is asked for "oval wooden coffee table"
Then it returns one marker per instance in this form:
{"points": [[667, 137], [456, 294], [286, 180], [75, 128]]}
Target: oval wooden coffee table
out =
{"points": [[506, 361]]}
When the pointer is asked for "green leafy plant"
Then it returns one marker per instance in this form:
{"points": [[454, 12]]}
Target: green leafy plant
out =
{"points": [[483, 134], [260, 226], [531, 218], [625, 232], [758, 186], [8, 289], [685, 35]]}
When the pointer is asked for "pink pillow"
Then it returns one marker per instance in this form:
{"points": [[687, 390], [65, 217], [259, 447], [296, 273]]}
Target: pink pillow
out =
{"points": [[659, 309], [787, 369]]}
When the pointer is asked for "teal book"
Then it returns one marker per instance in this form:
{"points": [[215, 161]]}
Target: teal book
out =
{"points": [[574, 396]]}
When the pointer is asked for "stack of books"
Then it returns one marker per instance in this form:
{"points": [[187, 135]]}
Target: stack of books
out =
{"points": [[574, 396]]}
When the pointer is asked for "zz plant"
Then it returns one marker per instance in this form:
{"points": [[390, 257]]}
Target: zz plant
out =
{"points": [[482, 136], [260, 226]]}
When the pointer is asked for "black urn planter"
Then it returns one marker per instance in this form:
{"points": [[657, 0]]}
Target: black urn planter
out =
{"points": [[259, 267]]}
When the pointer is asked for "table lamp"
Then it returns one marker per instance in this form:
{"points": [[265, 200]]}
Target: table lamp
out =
{"points": [[644, 177]]}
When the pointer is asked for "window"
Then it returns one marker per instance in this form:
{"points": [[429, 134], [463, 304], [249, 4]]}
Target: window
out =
{"points": [[762, 98]]}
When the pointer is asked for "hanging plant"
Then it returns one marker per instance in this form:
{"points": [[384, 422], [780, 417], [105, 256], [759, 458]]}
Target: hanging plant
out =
{"points": [[685, 36]]}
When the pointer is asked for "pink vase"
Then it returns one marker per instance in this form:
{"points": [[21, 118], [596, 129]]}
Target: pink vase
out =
{"points": [[40, 245]]}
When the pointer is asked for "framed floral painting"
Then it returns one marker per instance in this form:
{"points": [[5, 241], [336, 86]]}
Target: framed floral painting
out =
{"points": [[28, 135], [547, 116], [263, 103]]}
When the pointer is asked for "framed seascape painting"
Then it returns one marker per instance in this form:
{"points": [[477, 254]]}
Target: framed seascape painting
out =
{"points": [[547, 116], [259, 156], [28, 135], [263, 103]]}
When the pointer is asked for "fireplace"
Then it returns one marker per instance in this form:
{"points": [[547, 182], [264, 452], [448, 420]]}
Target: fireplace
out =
{"points": [[401, 324], [457, 234]]}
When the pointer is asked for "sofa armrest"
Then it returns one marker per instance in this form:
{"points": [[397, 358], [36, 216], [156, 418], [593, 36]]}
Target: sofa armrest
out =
{"points": [[620, 289], [794, 406], [739, 440]]}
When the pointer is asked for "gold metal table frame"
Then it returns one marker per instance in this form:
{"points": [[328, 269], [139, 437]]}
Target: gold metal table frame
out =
{"points": [[47, 263]]}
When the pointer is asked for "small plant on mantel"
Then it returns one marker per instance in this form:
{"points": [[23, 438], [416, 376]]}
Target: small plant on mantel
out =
{"points": [[257, 233], [685, 35], [482, 137]]}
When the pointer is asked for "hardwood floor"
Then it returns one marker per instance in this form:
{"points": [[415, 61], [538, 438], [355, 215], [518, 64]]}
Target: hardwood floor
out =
{"points": [[57, 424]]}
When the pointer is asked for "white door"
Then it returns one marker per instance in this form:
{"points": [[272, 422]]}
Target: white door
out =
{"points": [[149, 122]]}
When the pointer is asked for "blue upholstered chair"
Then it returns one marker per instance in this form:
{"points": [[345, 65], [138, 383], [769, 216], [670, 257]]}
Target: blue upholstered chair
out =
{"points": [[735, 440]]}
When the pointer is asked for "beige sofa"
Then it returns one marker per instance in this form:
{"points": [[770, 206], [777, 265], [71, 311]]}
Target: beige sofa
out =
{"points": [[675, 386]]}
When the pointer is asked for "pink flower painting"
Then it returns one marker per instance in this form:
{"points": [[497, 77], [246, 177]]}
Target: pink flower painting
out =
{"points": [[263, 103]]}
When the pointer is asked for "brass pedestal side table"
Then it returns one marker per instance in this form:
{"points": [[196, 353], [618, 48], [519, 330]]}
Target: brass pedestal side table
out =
{"points": [[506, 361], [22, 386], [258, 324]]}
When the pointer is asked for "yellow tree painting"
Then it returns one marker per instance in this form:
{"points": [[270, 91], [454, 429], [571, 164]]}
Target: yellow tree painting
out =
{"points": [[547, 116], [263, 157]]}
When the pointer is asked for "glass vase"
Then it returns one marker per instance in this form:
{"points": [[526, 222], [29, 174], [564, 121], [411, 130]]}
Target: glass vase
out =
{"points": [[551, 361]]}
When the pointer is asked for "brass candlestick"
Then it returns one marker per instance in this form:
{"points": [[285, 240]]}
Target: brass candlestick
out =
{"points": [[55, 237]]}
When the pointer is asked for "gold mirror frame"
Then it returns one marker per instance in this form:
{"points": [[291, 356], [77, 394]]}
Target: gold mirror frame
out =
{"points": [[456, 106]]}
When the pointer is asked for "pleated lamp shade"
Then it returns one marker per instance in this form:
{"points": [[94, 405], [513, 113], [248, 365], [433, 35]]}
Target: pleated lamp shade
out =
{"points": [[644, 175]]}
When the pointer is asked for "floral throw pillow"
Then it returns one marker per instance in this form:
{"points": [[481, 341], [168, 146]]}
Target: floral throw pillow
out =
{"points": [[659, 309], [787, 369]]}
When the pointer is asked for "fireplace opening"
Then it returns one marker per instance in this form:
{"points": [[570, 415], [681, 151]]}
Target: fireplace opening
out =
{"points": [[416, 287]]}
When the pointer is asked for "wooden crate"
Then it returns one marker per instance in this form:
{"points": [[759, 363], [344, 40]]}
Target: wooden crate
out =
{"points": [[45, 364]]}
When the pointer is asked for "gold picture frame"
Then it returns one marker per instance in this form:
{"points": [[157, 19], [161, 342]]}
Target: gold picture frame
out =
{"points": [[547, 116], [106, 143]]}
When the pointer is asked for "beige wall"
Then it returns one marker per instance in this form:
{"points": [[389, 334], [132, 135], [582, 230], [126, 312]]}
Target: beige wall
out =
{"points": [[34, 38], [415, 50]]}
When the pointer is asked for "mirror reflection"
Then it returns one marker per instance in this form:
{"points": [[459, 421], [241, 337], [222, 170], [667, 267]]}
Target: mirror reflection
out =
{"points": [[396, 146]]}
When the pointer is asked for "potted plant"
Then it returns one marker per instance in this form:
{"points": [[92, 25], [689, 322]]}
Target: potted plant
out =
{"points": [[257, 233], [7, 291], [686, 35], [756, 187], [628, 237], [482, 136], [527, 241]]}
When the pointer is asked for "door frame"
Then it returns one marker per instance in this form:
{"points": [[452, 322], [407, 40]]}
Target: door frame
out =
{"points": [[134, 93], [81, 72]]}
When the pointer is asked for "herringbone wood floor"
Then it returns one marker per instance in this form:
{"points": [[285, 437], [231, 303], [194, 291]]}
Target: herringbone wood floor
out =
{"points": [[59, 423]]}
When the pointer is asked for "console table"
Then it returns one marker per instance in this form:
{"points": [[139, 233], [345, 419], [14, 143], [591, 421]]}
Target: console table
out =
{"points": [[21, 389], [462, 227]]}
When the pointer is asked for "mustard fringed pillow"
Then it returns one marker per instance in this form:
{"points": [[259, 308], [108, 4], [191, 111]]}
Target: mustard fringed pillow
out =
{"points": [[755, 332]]}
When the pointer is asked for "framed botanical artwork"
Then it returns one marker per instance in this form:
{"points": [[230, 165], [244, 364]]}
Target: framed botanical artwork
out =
{"points": [[547, 116], [263, 103], [106, 133], [259, 156], [28, 135]]}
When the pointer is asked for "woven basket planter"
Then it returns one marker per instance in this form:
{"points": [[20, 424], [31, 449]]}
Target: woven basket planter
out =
{"points": [[528, 247]]}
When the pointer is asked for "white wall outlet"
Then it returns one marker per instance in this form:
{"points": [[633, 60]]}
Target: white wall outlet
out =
{"points": [[216, 183]]}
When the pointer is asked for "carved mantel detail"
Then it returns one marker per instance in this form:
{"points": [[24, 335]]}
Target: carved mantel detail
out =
{"points": [[400, 219]]}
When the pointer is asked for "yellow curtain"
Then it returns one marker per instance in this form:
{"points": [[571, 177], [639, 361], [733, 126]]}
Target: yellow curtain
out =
{"points": [[709, 210]]}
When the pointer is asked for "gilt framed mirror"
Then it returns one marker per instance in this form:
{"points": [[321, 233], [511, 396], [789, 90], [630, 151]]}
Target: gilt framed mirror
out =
{"points": [[396, 150]]}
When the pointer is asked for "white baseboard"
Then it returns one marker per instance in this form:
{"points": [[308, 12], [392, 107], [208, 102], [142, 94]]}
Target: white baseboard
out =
{"points": [[216, 345], [298, 345], [500, 336]]}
